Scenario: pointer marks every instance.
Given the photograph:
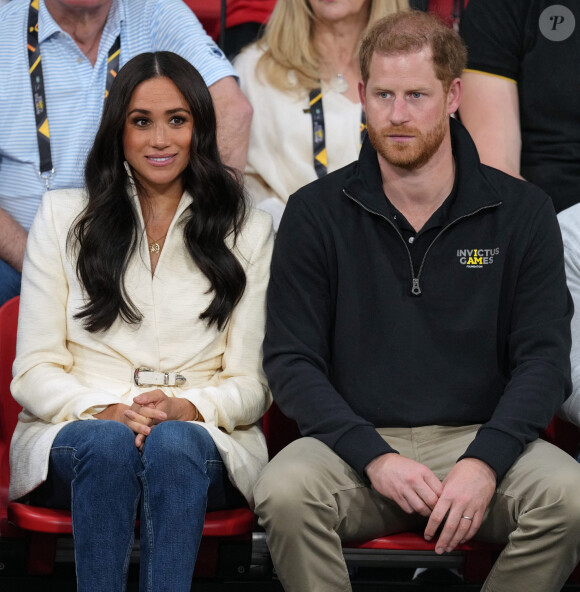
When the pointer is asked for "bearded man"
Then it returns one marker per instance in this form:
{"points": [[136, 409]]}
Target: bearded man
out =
{"points": [[419, 334]]}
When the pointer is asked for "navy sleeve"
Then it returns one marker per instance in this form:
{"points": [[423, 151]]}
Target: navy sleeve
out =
{"points": [[297, 347], [538, 349]]}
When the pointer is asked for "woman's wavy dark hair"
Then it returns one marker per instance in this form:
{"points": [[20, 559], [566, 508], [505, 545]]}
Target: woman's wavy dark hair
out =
{"points": [[106, 232]]}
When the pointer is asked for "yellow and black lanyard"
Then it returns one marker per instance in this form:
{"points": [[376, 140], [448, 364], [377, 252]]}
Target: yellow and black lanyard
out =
{"points": [[318, 133], [39, 96]]}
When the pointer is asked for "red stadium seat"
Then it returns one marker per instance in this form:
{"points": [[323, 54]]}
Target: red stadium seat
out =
{"points": [[448, 10], [563, 434], [44, 524], [9, 407]]}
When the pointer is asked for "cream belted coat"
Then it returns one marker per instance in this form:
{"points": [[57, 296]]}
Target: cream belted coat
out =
{"points": [[63, 373]]}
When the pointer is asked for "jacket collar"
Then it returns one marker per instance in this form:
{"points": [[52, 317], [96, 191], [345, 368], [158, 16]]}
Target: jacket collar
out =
{"points": [[473, 189]]}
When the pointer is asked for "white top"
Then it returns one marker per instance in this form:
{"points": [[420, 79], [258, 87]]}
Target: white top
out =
{"points": [[280, 157], [570, 226], [63, 373]]}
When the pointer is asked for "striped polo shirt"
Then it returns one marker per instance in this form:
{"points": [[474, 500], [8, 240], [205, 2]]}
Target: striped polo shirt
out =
{"points": [[75, 89]]}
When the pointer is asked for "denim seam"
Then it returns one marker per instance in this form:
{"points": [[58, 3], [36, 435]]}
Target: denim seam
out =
{"points": [[214, 462], [130, 546], [72, 497], [60, 449], [148, 522]]}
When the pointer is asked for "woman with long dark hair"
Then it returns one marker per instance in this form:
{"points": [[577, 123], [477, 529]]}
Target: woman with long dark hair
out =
{"points": [[139, 343]]}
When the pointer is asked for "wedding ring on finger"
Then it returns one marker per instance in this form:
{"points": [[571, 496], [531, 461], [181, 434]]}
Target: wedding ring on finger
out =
{"points": [[468, 517]]}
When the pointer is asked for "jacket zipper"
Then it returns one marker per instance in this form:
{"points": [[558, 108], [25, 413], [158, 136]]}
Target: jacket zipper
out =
{"points": [[416, 285]]}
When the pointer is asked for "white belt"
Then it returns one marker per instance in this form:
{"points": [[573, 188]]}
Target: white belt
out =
{"points": [[148, 377]]}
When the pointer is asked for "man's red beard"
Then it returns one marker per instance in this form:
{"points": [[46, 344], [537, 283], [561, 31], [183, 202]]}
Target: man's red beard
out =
{"points": [[408, 155]]}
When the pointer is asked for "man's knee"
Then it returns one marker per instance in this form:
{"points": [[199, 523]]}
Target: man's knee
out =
{"points": [[560, 496], [281, 483], [292, 487], [547, 484]]}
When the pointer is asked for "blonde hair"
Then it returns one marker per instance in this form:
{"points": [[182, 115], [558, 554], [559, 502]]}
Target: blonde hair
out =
{"points": [[290, 60]]}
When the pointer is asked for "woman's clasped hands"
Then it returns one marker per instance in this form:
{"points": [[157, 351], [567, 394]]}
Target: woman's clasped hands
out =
{"points": [[148, 410]]}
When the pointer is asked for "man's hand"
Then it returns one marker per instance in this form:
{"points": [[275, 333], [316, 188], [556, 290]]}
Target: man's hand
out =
{"points": [[411, 485], [467, 491]]}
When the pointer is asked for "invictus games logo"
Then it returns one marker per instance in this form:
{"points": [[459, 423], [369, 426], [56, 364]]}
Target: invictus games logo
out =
{"points": [[476, 258]]}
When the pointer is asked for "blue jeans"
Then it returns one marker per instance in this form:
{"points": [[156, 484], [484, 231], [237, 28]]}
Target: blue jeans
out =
{"points": [[9, 282], [96, 470]]}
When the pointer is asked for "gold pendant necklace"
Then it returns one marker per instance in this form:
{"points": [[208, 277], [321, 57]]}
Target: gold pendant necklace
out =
{"points": [[154, 246]]}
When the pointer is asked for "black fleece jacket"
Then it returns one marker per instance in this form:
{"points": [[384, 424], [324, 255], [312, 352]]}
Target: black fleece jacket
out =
{"points": [[480, 333]]}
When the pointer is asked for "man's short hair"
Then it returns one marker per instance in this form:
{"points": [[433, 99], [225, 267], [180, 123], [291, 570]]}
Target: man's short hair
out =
{"points": [[409, 32]]}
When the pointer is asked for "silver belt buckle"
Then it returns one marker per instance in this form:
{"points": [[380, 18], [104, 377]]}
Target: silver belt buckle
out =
{"points": [[157, 378]]}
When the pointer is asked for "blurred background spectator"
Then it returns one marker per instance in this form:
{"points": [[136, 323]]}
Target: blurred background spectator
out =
{"points": [[302, 81], [520, 91]]}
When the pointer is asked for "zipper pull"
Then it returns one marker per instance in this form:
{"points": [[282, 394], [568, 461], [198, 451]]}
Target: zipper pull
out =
{"points": [[416, 289]]}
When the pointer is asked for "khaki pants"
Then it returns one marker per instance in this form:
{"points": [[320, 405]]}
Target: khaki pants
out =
{"points": [[309, 500]]}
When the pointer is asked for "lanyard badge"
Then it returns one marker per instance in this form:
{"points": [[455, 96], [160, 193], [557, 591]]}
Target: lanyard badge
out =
{"points": [[318, 132], [38, 91]]}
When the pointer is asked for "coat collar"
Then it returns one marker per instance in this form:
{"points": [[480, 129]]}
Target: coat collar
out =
{"points": [[474, 191]]}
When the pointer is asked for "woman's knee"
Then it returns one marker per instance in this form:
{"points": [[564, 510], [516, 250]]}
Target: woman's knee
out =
{"points": [[180, 441], [99, 440]]}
